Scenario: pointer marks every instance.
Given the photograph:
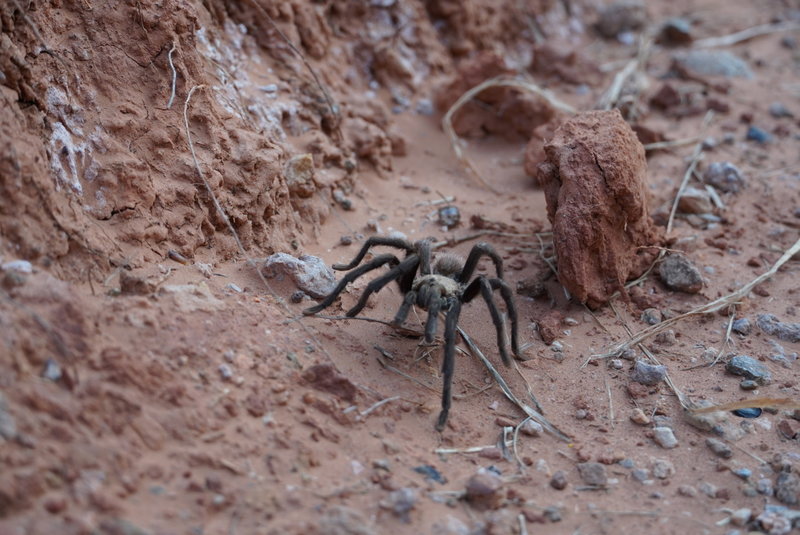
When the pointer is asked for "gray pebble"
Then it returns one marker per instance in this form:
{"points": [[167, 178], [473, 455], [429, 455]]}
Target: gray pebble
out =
{"points": [[778, 110], [666, 338], [297, 296], [648, 374], [759, 135], [787, 488], [742, 326], [749, 368], [676, 31], [627, 463], [719, 448], [679, 274], [788, 332], [741, 517], [744, 473], [764, 486], [687, 491], [640, 474], [713, 63], [621, 17], [225, 371], [531, 428], [709, 143], [664, 437], [708, 489], [616, 364], [724, 176], [652, 316], [400, 502], [552, 513], [593, 474], [51, 370], [559, 480], [346, 240], [748, 384], [663, 468], [309, 273], [424, 106]]}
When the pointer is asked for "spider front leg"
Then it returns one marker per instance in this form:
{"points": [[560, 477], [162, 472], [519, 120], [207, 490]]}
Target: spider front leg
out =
{"points": [[448, 364], [483, 286], [407, 265], [475, 254], [375, 263], [372, 241]]}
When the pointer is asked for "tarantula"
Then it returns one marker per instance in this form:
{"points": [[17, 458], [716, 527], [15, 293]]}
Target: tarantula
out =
{"points": [[441, 287]]}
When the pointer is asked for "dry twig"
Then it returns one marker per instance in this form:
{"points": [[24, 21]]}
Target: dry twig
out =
{"points": [[747, 34], [174, 75]]}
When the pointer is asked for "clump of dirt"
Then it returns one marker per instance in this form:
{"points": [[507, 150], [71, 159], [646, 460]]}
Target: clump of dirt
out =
{"points": [[595, 184]]}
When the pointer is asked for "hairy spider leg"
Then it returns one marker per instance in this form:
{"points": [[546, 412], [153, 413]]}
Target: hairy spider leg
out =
{"points": [[408, 264], [448, 364], [402, 313], [505, 292], [375, 263], [434, 305], [424, 252], [475, 254], [481, 284], [372, 241]]}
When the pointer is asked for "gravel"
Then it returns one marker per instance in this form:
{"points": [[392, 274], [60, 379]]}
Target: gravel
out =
{"points": [[788, 332], [665, 438], [719, 448], [749, 368], [593, 474], [648, 374], [679, 274], [724, 176]]}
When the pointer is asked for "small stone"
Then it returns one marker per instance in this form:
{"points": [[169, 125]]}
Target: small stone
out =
{"points": [[593, 474], [648, 374], [309, 273], [225, 372], [744, 473], [789, 428], [687, 491], [641, 475], [748, 384], [346, 240], [709, 143], [652, 316], [712, 63], [401, 502], [758, 135], [676, 31], [742, 326], [552, 513], [342, 200], [299, 173], [51, 370], [621, 17], [741, 517], [724, 176], [627, 463], [719, 448], [749, 368], [425, 107], [788, 332], [531, 428], [664, 437], [679, 274], [708, 489], [484, 490], [663, 469], [787, 488], [695, 201], [616, 364], [774, 522], [764, 486], [778, 110], [559, 480], [297, 296], [449, 216], [431, 473], [666, 338], [639, 417]]}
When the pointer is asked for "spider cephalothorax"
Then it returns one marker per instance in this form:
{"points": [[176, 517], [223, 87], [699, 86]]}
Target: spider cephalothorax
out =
{"points": [[441, 287]]}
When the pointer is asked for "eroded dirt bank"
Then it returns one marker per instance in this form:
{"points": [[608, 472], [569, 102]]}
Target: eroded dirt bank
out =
{"points": [[151, 383]]}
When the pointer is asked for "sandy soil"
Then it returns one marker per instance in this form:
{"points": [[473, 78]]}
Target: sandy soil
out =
{"points": [[151, 383]]}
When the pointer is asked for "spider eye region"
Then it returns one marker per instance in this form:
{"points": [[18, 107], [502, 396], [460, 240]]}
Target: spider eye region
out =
{"points": [[447, 287]]}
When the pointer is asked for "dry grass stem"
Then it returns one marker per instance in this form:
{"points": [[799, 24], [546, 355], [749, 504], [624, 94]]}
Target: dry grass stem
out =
{"points": [[709, 308], [611, 98], [381, 403], [660, 145], [529, 411], [524, 85], [745, 35]]}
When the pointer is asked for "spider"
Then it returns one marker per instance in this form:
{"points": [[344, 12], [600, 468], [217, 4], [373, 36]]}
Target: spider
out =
{"points": [[439, 287]]}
